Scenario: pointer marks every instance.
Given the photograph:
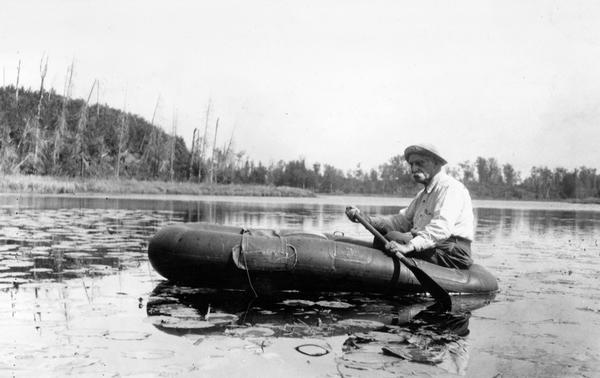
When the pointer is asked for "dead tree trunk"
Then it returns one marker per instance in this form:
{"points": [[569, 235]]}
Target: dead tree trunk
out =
{"points": [[38, 123], [226, 156], [62, 119], [192, 154], [212, 158], [124, 127], [98, 100], [17, 86], [203, 150], [172, 154], [79, 137], [150, 154]]}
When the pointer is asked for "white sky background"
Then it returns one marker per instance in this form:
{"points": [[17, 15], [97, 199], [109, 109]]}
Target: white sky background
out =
{"points": [[335, 82]]}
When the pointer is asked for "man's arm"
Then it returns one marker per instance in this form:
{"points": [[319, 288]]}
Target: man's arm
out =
{"points": [[446, 211], [403, 221]]}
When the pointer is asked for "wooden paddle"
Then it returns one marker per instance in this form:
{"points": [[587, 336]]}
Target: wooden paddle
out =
{"points": [[432, 287]]}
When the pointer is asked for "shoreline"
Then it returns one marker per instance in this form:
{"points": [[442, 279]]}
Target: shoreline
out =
{"points": [[35, 184], [56, 185]]}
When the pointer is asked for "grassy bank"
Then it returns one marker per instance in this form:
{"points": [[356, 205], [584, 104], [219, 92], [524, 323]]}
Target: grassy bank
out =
{"points": [[58, 185], [589, 200]]}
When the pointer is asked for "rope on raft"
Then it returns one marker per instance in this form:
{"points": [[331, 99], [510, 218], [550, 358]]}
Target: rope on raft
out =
{"points": [[248, 275]]}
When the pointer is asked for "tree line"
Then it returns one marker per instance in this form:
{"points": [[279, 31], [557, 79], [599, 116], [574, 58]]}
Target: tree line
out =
{"points": [[46, 133]]}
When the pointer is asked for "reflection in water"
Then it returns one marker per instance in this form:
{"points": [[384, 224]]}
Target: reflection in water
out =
{"points": [[501, 224], [493, 224], [546, 260], [182, 310], [407, 327]]}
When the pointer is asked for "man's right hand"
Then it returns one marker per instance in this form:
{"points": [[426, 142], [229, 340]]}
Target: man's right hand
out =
{"points": [[351, 213], [395, 248], [400, 237]]}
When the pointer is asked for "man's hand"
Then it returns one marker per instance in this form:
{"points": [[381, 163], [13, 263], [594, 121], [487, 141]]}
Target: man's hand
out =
{"points": [[351, 212], [395, 247], [400, 237]]}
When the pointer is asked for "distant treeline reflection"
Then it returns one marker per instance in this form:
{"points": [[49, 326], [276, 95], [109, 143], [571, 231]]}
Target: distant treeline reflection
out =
{"points": [[44, 133]]}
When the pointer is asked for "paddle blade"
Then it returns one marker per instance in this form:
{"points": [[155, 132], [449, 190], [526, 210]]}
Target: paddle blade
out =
{"points": [[432, 287]]}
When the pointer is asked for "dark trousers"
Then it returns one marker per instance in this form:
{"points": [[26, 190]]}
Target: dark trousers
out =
{"points": [[454, 252]]}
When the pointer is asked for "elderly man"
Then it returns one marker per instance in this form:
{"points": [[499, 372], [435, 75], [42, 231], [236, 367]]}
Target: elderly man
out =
{"points": [[437, 226]]}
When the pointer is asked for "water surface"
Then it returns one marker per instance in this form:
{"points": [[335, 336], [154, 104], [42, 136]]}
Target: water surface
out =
{"points": [[78, 296]]}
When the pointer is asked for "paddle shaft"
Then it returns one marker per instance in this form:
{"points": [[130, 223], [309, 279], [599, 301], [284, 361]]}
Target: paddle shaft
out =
{"points": [[381, 238], [436, 291]]}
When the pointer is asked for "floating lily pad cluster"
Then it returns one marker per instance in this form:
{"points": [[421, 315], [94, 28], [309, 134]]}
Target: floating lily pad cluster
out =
{"points": [[177, 309], [384, 332], [66, 243]]}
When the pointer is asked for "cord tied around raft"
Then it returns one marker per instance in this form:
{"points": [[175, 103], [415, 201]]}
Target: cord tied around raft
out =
{"points": [[260, 252]]}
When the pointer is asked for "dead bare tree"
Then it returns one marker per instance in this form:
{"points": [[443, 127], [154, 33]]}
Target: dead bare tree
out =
{"points": [[203, 151], [43, 72], [227, 152], [151, 156], [31, 142], [38, 123], [17, 86], [212, 158], [192, 153], [81, 126], [98, 100], [61, 127], [123, 130], [172, 150]]}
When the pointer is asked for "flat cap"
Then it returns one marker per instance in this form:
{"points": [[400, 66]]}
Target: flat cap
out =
{"points": [[424, 149]]}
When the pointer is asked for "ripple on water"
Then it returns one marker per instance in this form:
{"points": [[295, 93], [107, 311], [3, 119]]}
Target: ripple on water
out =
{"points": [[149, 354], [127, 335], [86, 332]]}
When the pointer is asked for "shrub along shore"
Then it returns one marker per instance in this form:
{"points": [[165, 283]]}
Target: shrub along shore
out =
{"points": [[67, 185]]}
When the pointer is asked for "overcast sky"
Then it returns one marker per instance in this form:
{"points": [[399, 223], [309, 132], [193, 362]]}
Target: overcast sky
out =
{"points": [[337, 82]]}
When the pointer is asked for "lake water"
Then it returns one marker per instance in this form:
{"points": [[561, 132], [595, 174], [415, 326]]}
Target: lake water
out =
{"points": [[79, 297]]}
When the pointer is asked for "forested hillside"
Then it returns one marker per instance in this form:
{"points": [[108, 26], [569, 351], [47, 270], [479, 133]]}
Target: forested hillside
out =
{"points": [[45, 133]]}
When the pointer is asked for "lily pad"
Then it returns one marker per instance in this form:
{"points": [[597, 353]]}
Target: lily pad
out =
{"points": [[334, 304], [252, 332], [100, 269], [40, 251], [77, 255], [360, 323], [298, 302], [8, 247], [171, 322], [153, 354], [41, 270], [18, 264], [127, 335], [174, 310], [221, 318], [87, 332]]}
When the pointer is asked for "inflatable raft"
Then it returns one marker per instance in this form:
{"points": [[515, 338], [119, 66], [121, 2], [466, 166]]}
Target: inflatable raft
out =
{"points": [[210, 255]]}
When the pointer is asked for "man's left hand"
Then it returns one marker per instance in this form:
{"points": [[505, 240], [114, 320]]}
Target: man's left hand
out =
{"points": [[395, 247]]}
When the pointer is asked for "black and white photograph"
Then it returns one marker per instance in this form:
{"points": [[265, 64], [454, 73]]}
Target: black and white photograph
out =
{"points": [[261, 188]]}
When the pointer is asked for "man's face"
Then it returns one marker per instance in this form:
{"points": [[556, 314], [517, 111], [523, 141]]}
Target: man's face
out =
{"points": [[423, 168]]}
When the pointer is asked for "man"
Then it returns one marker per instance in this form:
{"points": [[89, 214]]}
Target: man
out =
{"points": [[437, 226]]}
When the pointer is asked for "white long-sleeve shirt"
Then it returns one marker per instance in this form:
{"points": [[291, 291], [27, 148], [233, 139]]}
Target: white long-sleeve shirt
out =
{"points": [[440, 210]]}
